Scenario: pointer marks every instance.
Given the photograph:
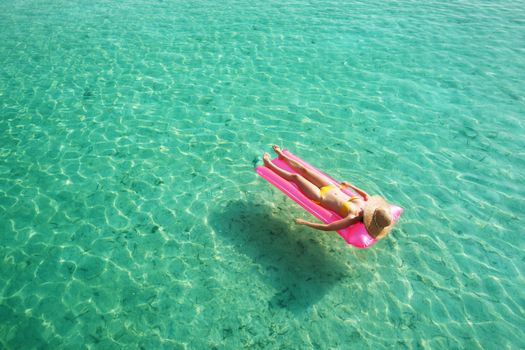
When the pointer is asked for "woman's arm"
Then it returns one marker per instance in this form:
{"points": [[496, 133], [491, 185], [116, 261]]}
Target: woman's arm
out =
{"points": [[334, 226], [357, 189]]}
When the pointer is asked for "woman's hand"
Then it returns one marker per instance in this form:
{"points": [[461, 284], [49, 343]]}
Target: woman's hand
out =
{"points": [[299, 221], [359, 191]]}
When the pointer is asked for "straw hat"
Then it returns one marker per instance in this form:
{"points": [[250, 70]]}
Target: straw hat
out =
{"points": [[377, 217]]}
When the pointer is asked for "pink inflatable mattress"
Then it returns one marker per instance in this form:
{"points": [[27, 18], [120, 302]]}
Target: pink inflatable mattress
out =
{"points": [[355, 234]]}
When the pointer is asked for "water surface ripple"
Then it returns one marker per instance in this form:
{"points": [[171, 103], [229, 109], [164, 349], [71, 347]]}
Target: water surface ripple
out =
{"points": [[131, 217]]}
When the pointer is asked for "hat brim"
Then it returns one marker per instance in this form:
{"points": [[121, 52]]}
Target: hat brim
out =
{"points": [[373, 203]]}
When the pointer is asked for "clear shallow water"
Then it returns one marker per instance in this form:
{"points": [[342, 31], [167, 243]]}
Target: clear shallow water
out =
{"points": [[130, 215]]}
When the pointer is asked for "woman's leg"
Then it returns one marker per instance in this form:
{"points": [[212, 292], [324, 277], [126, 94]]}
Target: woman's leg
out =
{"points": [[317, 179], [308, 188]]}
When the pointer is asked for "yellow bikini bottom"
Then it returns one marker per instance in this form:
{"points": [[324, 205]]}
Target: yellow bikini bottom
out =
{"points": [[345, 206], [325, 189]]}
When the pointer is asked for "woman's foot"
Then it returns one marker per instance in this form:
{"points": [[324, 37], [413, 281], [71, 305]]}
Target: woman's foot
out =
{"points": [[266, 160], [281, 172], [278, 150]]}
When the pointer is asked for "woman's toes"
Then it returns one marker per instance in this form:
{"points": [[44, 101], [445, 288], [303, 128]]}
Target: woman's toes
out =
{"points": [[266, 158]]}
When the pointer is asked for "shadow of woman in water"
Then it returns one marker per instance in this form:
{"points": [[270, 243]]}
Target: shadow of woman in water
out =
{"points": [[297, 265]]}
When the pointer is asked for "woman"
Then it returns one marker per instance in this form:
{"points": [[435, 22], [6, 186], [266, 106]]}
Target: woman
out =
{"points": [[373, 211]]}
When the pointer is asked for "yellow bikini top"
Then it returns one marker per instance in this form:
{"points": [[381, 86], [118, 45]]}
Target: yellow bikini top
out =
{"points": [[343, 211]]}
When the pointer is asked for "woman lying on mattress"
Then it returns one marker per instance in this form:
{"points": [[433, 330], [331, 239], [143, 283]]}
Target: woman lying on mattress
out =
{"points": [[373, 211]]}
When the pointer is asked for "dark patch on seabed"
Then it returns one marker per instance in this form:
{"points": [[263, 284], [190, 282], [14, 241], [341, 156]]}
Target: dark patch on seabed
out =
{"points": [[297, 266]]}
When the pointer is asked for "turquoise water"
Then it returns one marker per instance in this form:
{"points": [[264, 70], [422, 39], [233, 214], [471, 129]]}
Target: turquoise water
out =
{"points": [[131, 217]]}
